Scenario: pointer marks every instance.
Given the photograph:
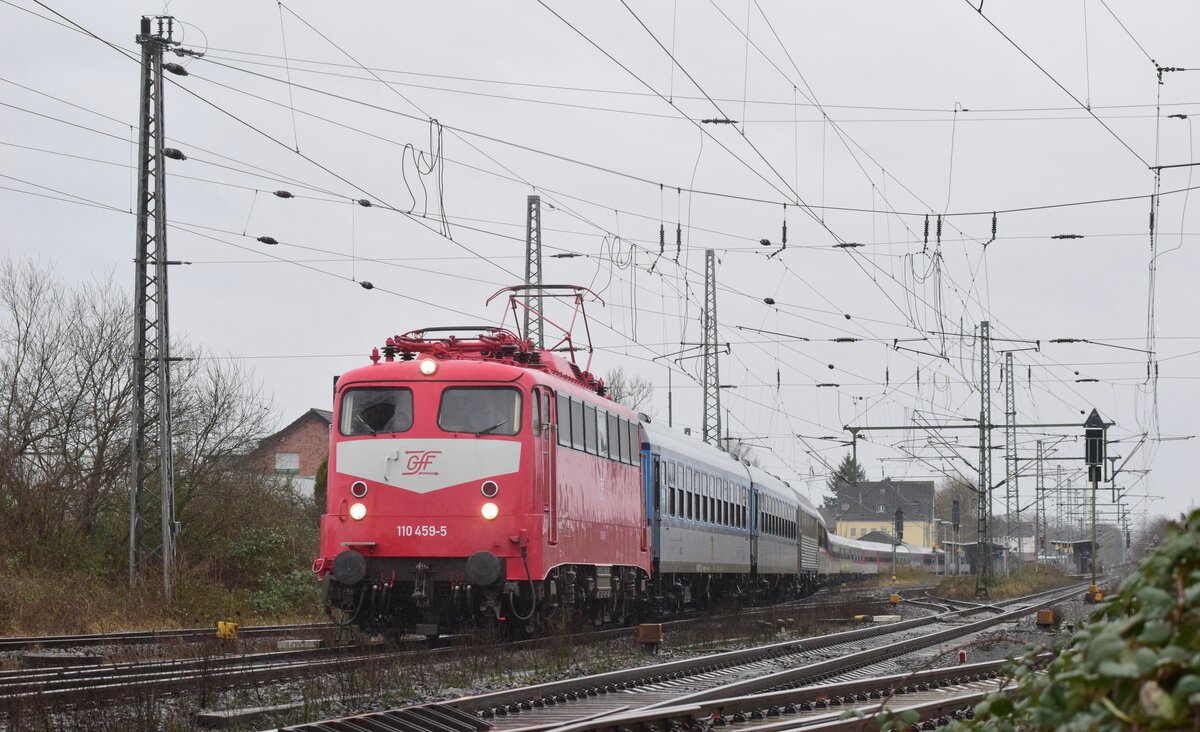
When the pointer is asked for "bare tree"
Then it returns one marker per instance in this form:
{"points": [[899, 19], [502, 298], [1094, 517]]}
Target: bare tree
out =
{"points": [[66, 389], [957, 489], [1148, 534], [630, 390]]}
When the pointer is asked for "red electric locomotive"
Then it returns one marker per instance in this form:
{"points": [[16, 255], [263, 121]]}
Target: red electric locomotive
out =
{"points": [[454, 500]]}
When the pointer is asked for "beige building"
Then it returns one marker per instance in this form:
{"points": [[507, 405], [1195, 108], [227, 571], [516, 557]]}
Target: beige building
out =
{"points": [[871, 506]]}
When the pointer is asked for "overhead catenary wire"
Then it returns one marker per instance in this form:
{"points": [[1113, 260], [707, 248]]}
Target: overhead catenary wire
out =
{"points": [[600, 256]]}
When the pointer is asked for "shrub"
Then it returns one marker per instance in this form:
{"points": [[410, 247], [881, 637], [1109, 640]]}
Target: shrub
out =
{"points": [[1135, 664]]}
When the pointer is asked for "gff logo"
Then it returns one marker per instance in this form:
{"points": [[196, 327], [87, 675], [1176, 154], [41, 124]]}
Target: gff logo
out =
{"points": [[420, 462]]}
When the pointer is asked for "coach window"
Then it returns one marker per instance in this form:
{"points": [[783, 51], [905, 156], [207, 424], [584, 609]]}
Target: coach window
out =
{"points": [[687, 491], [376, 411], [564, 420], [589, 419], [681, 482], [577, 429], [601, 433], [671, 488]]}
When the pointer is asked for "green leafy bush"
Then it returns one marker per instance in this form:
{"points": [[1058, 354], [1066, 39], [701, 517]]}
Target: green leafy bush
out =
{"points": [[1134, 665], [294, 593]]}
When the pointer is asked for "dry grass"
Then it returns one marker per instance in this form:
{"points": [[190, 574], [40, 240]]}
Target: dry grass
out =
{"points": [[1024, 580], [73, 602]]}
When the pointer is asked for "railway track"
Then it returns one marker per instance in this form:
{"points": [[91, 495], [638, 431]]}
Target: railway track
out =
{"points": [[199, 635], [58, 686], [949, 692], [676, 690]]}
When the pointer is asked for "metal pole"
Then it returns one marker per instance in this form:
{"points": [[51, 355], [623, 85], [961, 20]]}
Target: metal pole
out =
{"points": [[1095, 487], [712, 378], [957, 552], [533, 268], [151, 457], [1039, 509], [670, 400], [1012, 496], [983, 573]]}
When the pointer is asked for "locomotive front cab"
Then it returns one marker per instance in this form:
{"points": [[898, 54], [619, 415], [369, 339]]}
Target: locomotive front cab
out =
{"points": [[430, 514]]}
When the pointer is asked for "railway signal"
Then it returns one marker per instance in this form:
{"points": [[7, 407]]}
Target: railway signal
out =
{"points": [[1093, 443]]}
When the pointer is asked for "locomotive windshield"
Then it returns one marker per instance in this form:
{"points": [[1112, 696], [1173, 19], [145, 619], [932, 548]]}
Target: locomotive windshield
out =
{"points": [[376, 411], [480, 411]]}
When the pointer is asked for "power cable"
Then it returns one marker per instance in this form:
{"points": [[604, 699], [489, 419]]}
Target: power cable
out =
{"points": [[1059, 84]]}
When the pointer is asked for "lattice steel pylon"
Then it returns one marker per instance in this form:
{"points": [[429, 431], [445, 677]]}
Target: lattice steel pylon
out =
{"points": [[533, 269], [1012, 494], [152, 525], [983, 558], [712, 373], [1039, 504]]}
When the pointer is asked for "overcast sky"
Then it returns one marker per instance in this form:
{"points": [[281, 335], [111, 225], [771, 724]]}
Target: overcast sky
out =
{"points": [[862, 117]]}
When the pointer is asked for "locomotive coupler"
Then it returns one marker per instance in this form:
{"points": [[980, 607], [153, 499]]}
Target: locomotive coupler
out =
{"points": [[491, 605], [421, 585], [511, 589]]}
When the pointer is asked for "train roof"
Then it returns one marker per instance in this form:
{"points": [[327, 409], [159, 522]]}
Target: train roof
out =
{"points": [[692, 448], [773, 484], [477, 369]]}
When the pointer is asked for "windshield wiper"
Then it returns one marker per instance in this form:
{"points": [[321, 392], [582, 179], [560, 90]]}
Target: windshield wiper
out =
{"points": [[488, 430], [370, 429]]}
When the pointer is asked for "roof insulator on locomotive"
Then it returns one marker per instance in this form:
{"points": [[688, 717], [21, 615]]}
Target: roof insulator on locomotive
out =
{"points": [[268, 240], [367, 285], [363, 202], [284, 194], [375, 355], [389, 350]]}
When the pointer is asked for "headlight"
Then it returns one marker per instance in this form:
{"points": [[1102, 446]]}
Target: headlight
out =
{"points": [[358, 512], [428, 366], [489, 511]]}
